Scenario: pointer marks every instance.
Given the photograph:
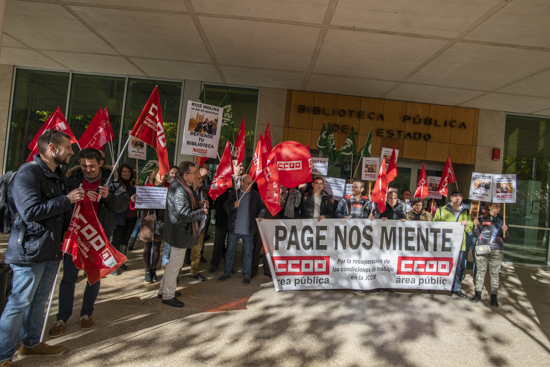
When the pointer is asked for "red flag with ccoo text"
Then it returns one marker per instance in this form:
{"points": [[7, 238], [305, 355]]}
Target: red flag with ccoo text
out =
{"points": [[447, 177], [267, 139], [239, 144], [56, 121], [269, 188], [258, 160], [149, 128], [392, 167], [98, 132], [224, 174], [422, 190], [87, 243], [380, 188]]}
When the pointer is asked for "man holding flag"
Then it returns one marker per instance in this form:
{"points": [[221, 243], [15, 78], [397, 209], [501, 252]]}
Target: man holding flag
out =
{"points": [[39, 224], [108, 200]]}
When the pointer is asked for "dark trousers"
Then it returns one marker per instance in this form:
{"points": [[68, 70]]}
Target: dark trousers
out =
{"points": [[66, 292], [258, 245], [219, 246], [122, 235]]}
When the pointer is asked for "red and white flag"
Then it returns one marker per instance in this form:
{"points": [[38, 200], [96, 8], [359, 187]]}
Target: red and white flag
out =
{"points": [[87, 243], [380, 188], [392, 167], [259, 159], [149, 128], [239, 144], [98, 132], [269, 188], [422, 190], [447, 177], [224, 174], [267, 139], [109, 126], [56, 122]]}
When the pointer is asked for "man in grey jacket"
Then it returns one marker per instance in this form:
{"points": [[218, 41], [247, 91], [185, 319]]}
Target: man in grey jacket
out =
{"points": [[181, 227]]}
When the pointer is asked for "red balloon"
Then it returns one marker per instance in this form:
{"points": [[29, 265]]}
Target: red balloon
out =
{"points": [[294, 163]]}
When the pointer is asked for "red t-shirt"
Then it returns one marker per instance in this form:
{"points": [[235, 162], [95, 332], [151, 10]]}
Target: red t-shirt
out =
{"points": [[87, 186]]}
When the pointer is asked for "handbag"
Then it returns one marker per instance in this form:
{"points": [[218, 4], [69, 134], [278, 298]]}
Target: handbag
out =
{"points": [[483, 250]]}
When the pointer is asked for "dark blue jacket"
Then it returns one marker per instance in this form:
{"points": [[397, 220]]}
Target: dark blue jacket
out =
{"points": [[256, 209], [43, 216]]}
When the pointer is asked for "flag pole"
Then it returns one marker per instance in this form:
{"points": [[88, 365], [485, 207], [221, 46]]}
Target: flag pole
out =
{"points": [[504, 219], [137, 171], [196, 183], [478, 204], [370, 184], [351, 170], [358, 164], [118, 159], [50, 303]]}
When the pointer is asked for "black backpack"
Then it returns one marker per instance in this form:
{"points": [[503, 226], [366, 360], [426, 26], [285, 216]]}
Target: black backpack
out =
{"points": [[6, 214]]}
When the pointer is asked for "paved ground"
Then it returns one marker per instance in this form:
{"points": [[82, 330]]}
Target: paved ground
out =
{"points": [[228, 324]]}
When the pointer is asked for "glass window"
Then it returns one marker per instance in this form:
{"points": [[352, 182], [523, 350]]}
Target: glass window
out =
{"points": [[139, 91], [527, 154], [89, 93], [36, 95]]}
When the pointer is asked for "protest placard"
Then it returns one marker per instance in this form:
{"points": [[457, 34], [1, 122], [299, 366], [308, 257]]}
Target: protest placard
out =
{"points": [[151, 197], [370, 168], [201, 130]]}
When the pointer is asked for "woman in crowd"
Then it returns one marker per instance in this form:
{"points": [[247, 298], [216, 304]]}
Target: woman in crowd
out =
{"points": [[417, 212], [491, 230], [125, 220], [394, 208]]}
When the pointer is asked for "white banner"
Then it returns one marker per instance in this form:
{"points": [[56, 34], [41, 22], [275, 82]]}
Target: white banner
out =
{"points": [[336, 187], [370, 168], [480, 188], [136, 148], [386, 153], [433, 182], [504, 188], [202, 130], [151, 197], [361, 254], [320, 166]]}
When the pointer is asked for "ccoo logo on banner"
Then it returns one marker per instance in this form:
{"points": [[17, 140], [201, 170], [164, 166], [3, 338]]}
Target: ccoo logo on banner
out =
{"points": [[361, 254]]}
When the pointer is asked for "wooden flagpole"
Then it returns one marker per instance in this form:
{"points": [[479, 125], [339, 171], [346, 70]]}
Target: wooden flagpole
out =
{"points": [[504, 218], [478, 204]]}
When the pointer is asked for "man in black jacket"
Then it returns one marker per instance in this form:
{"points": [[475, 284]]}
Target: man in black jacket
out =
{"points": [[113, 200], [243, 206], [181, 227], [42, 202]]}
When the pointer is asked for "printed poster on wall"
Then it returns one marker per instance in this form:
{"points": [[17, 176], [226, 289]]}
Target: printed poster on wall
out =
{"points": [[202, 130], [504, 188], [136, 148], [361, 254], [370, 168], [320, 166], [433, 182], [386, 153], [336, 187], [480, 188]]}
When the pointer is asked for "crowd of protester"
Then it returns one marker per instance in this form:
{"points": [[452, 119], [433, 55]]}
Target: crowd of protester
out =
{"points": [[43, 196]]}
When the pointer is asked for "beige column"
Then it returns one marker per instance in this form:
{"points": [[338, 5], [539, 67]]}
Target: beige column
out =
{"points": [[272, 107]]}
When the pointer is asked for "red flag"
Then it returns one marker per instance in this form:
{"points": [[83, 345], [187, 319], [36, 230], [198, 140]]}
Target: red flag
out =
{"points": [[267, 139], [97, 134], [269, 188], [239, 144], [380, 187], [33, 153], [202, 161], [447, 177], [422, 186], [265, 153], [57, 122], [258, 160], [149, 128], [392, 167], [87, 243], [224, 174], [109, 126]]}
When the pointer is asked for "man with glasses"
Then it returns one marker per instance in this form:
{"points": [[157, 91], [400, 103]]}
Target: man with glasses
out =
{"points": [[318, 204], [456, 211], [40, 198], [181, 228], [355, 205], [243, 207]]}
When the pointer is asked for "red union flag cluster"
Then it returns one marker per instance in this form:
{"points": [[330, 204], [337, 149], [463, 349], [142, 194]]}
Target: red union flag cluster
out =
{"points": [[87, 243], [149, 128], [224, 175]]}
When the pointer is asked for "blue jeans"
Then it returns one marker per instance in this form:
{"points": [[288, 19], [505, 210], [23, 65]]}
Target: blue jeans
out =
{"points": [[23, 316], [136, 231], [66, 292], [248, 242], [463, 261]]}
